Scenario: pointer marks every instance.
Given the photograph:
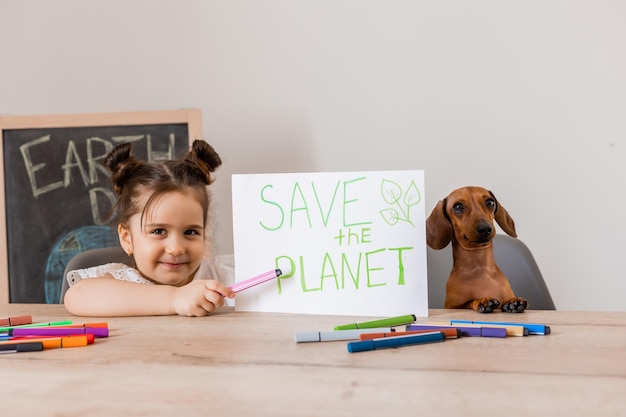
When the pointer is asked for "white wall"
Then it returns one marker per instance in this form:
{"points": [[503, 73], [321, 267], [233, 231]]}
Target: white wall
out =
{"points": [[526, 98]]}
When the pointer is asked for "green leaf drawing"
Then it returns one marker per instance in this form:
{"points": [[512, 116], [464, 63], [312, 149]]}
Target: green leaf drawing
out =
{"points": [[390, 215], [391, 191], [403, 201], [412, 196]]}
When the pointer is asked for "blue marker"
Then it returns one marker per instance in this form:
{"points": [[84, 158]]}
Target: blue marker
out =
{"points": [[396, 341], [540, 329]]}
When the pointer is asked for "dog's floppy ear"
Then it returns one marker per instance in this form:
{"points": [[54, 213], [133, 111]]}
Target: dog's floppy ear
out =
{"points": [[504, 219], [438, 227]]}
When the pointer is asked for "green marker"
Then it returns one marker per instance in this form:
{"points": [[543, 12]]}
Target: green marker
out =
{"points": [[53, 323], [389, 322]]}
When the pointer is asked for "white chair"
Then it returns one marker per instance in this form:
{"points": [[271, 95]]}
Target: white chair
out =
{"points": [[93, 257]]}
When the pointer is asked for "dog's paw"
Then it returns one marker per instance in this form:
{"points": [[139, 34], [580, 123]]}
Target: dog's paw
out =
{"points": [[515, 305], [484, 305], [488, 305]]}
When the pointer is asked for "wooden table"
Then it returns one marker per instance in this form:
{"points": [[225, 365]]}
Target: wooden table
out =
{"points": [[248, 364]]}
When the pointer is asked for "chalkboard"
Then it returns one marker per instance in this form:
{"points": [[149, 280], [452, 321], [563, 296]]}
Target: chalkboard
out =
{"points": [[56, 197]]}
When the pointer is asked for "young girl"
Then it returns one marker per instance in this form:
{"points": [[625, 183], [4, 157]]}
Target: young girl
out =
{"points": [[163, 210]]}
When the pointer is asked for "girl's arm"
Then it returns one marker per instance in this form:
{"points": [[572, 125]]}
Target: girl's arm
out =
{"points": [[106, 296]]}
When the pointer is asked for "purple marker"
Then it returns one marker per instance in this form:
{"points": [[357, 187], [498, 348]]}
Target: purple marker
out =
{"points": [[259, 279], [465, 331], [60, 331]]}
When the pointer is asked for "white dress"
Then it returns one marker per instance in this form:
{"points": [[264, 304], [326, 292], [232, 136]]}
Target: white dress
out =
{"points": [[209, 269]]}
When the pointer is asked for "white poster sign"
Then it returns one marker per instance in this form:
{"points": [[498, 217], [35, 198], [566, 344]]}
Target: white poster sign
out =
{"points": [[348, 243]]}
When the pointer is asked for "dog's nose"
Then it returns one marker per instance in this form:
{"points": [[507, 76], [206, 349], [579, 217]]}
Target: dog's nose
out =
{"points": [[484, 229]]}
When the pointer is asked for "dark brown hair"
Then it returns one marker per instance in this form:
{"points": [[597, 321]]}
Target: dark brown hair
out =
{"points": [[131, 177]]}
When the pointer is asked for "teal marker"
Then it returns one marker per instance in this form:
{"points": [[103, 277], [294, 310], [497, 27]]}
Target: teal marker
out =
{"points": [[388, 322], [53, 323], [397, 341]]}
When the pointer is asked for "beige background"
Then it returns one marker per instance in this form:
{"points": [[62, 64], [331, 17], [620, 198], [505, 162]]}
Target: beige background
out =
{"points": [[527, 99]]}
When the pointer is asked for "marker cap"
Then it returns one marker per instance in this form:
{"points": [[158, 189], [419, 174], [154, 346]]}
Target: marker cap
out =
{"points": [[306, 337], [361, 346], [21, 320], [492, 332], [74, 341]]}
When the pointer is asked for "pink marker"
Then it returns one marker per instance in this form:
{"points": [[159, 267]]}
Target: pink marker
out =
{"points": [[259, 279]]}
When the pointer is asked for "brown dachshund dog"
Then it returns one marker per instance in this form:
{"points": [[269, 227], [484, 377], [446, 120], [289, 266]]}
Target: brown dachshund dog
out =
{"points": [[465, 218]]}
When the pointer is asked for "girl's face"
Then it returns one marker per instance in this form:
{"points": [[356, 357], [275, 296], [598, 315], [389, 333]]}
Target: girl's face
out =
{"points": [[169, 245]]}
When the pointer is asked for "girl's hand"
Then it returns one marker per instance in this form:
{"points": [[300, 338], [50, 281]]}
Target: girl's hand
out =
{"points": [[200, 297]]}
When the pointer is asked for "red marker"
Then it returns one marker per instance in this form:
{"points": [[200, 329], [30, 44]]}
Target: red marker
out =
{"points": [[16, 321], [451, 333]]}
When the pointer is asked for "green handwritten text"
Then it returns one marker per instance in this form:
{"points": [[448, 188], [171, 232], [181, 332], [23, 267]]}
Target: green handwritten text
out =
{"points": [[305, 206], [348, 271]]}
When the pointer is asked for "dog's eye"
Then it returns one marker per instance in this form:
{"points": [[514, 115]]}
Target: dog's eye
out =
{"points": [[490, 203], [458, 207]]}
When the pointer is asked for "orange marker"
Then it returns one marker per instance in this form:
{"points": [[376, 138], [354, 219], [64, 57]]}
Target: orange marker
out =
{"points": [[90, 338], [54, 342], [100, 325], [451, 333]]}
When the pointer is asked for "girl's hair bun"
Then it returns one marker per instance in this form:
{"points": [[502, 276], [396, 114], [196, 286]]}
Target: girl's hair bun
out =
{"points": [[121, 164], [204, 158]]}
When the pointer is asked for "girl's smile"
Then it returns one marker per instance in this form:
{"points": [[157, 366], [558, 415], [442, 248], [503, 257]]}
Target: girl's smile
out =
{"points": [[173, 265], [168, 247]]}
